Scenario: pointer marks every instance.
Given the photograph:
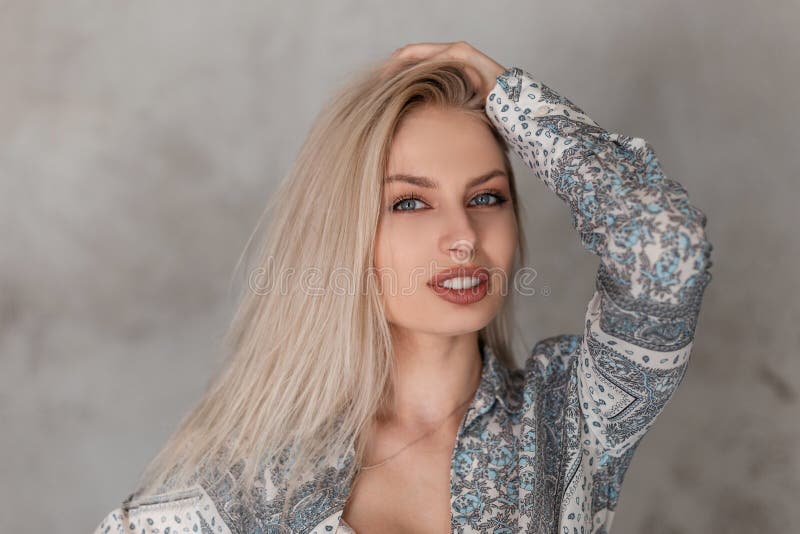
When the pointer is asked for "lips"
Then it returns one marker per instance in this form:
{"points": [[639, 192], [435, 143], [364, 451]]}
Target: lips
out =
{"points": [[456, 272]]}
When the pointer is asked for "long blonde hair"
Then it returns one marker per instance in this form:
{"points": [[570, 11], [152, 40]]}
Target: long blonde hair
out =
{"points": [[307, 370]]}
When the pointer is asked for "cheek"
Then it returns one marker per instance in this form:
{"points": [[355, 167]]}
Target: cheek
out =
{"points": [[499, 240], [399, 246], [399, 253], [402, 259]]}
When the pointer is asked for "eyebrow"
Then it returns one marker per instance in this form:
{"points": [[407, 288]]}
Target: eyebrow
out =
{"points": [[424, 181]]}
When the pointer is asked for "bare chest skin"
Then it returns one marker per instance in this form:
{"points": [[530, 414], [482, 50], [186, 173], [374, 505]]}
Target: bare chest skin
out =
{"points": [[408, 494]]}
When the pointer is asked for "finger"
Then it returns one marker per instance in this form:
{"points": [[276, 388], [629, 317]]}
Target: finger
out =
{"points": [[474, 76], [421, 50], [415, 51], [458, 54]]}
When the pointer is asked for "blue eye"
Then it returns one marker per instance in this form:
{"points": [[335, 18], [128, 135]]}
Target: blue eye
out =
{"points": [[499, 199], [409, 202]]}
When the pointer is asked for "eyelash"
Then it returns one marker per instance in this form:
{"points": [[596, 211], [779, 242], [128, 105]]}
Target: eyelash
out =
{"points": [[501, 199]]}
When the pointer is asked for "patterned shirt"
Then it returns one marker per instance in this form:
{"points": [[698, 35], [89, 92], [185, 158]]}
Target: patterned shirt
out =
{"points": [[543, 448]]}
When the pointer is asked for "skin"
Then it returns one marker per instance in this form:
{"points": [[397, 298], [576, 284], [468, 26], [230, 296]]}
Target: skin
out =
{"points": [[437, 357]]}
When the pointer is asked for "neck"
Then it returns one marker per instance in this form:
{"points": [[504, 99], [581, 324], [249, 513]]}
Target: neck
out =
{"points": [[434, 375]]}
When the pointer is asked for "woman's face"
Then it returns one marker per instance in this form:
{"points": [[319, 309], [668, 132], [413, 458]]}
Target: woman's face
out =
{"points": [[456, 213]]}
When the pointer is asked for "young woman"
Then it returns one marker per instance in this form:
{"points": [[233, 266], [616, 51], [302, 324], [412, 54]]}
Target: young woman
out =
{"points": [[381, 395]]}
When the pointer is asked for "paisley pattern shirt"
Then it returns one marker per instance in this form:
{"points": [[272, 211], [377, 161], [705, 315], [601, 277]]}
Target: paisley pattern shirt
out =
{"points": [[543, 448]]}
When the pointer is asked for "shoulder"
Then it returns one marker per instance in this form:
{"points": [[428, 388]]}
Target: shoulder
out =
{"points": [[552, 356], [548, 368], [187, 510]]}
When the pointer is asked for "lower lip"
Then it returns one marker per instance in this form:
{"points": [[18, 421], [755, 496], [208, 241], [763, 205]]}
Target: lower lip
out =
{"points": [[462, 296]]}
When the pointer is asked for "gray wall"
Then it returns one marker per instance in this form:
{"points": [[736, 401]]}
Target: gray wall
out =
{"points": [[139, 141]]}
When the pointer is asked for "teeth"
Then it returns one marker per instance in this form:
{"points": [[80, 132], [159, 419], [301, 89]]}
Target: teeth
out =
{"points": [[461, 283]]}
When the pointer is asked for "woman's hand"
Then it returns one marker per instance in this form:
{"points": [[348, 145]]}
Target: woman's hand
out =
{"points": [[479, 67]]}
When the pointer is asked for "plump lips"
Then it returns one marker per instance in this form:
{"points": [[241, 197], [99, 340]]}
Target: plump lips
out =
{"points": [[458, 272]]}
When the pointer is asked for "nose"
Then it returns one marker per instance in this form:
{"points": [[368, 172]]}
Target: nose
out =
{"points": [[459, 240]]}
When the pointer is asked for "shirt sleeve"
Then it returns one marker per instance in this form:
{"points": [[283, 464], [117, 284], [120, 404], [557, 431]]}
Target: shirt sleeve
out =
{"points": [[189, 510], [654, 256]]}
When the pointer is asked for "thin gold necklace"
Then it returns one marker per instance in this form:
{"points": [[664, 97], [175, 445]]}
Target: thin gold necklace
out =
{"points": [[428, 433]]}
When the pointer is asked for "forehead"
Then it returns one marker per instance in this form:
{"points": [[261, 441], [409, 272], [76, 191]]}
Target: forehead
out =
{"points": [[443, 143]]}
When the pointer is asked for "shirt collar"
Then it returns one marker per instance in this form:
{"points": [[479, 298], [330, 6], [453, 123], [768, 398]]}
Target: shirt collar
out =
{"points": [[497, 385]]}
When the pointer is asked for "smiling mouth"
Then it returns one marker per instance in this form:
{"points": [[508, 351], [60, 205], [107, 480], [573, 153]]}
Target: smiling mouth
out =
{"points": [[461, 282], [460, 277], [458, 289]]}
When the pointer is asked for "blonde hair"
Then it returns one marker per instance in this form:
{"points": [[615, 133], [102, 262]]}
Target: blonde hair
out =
{"points": [[307, 372]]}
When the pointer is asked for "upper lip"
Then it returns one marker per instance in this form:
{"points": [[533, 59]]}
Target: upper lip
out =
{"points": [[460, 271]]}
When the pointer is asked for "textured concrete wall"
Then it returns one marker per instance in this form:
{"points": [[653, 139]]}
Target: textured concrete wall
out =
{"points": [[139, 140]]}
